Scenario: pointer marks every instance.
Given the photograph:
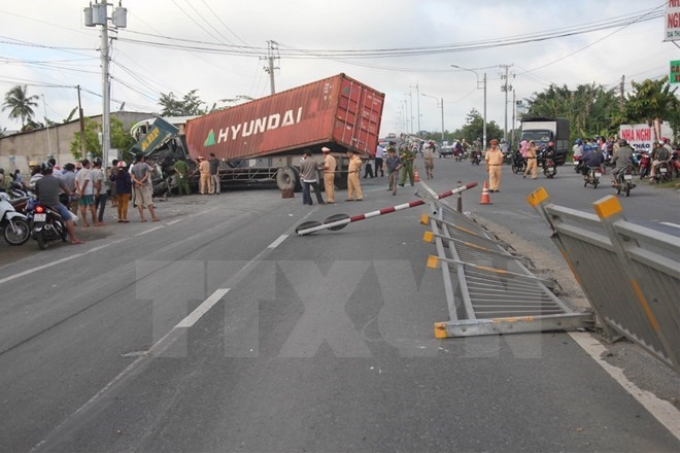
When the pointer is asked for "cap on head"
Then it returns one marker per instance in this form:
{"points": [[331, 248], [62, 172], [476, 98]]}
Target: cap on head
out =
{"points": [[326, 150]]}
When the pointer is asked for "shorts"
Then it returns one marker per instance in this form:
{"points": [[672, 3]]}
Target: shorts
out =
{"points": [[86, 200], [63, 212], [143, 196]]}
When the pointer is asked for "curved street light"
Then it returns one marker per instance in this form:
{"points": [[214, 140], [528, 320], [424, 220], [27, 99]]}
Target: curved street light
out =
{"points": [[442, 106], [477, 75]]}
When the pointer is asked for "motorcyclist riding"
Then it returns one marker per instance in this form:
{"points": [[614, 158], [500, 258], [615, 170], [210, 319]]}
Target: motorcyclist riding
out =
{"points": [[593, 159], [622, 159]]}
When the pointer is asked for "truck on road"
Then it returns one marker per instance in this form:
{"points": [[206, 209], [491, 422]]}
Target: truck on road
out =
{"points": [[262, 141], [543, 130]]}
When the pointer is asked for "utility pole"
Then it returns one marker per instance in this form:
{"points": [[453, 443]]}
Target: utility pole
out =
{"points": [[442, 121], [505, 88], [97, 14], [514, 110], [418, 104], [272, 48], [82, 124], [47, 127], [621, 88]]}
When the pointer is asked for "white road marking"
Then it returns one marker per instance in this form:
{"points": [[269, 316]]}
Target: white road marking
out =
{"points": [[202, 309], [94, 249], [278, 241], [670, 224], [660, 409]]}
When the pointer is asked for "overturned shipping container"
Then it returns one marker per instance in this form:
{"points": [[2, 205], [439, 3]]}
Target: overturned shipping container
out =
{"points": [[265, 137]]}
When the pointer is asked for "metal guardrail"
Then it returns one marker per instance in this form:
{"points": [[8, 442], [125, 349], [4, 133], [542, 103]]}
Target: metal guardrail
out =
{"points": [[489, 289], [629, 273]]}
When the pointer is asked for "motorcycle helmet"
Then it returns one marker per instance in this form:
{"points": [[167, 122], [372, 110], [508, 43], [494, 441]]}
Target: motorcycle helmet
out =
{"points": [[45, 167], [578, 141], [623, 142], [551, 144], [122, 164]]}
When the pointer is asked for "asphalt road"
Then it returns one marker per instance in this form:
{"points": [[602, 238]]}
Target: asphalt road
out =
{"points": [[316, 343]]}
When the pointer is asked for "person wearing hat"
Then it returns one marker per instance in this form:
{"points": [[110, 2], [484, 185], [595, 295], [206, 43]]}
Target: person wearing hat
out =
{"points": [[393, 165], [205, 183], [407, 157], [329, 166], [428, 157], [123, 182], [494, 160], [353, 184]]}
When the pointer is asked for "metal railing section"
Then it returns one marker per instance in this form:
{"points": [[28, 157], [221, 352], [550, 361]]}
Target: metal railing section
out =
{"points": [[489, 289], [629, 273]]}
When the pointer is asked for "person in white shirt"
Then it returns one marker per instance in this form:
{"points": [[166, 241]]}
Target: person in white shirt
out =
{"points": [[85, 189], [379, 153]]}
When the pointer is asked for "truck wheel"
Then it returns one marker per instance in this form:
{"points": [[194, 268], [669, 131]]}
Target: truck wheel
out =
{"points": [[287, 178]]}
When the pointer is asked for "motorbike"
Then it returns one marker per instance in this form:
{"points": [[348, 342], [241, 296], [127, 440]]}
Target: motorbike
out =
{"points": [[48, 225], [592, 177], [624, 181], [519, 164], [644, 164], [476, 158], [549, 169], [577, 164], [14, 225], [663, 172]]}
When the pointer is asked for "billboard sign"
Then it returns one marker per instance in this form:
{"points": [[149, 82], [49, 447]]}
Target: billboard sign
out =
{"points": [[672, 20]]}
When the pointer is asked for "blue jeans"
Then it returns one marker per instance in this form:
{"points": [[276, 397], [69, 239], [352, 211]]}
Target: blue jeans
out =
{"points": [[306, 193]]}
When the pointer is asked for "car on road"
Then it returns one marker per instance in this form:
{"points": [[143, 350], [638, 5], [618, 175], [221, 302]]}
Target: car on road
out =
{"points": [[446, 150]]}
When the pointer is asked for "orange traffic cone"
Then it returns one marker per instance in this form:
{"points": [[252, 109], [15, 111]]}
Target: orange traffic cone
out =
{"points": [[416, 175], [486, 199]]}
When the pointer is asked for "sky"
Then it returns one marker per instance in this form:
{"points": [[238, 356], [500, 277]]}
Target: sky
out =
{"points": [[218, 47]]}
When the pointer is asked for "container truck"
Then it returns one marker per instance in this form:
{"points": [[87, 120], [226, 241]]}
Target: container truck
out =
{"points": [[546, 129], [263, 140]]}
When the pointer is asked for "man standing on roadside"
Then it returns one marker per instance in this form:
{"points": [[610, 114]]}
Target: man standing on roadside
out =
{"points": [[494, 160], [141, 179], [393, 164], [100, 195], [85, 188], [407, 157], [428, 157], [214, 174], [329, 165], [309, 174], [379, 154], [353, 184], [204, 181], [182, 170]]}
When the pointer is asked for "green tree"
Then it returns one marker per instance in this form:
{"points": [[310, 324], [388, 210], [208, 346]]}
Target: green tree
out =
{"points": [[652, 102], [20, 104], [474, 128], [120, 139], [589, 108], [190, 104]]}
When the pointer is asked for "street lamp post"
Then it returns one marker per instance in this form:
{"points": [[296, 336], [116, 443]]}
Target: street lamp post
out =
{"points": [[477, 75], [97, 14], [418, 104], [442, 107]]}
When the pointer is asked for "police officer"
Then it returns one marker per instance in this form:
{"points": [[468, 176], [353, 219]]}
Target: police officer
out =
{"points": [[494, 160], [407, 157]]}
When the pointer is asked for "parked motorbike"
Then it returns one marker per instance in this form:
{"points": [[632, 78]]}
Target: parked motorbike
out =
{"points": [[592, 177], [519, 164], [14, 224], [48, 225], [624, 181]]}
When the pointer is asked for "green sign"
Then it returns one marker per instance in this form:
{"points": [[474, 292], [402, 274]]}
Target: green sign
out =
{"points": [[675, 72]]}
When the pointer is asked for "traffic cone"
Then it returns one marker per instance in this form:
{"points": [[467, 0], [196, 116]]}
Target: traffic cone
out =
{"points": [[486, 199], [416, 175]]}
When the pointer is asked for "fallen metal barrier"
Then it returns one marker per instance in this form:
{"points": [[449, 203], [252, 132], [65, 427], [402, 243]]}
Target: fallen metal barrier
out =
{"points": [[629, 273], [489, 289]]}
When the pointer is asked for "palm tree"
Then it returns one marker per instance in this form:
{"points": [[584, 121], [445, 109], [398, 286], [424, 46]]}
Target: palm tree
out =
{"points": [[20, 104], [652, 102]]}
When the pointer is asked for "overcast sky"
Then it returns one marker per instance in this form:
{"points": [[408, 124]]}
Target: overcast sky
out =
{"points": [[141, 71]]}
